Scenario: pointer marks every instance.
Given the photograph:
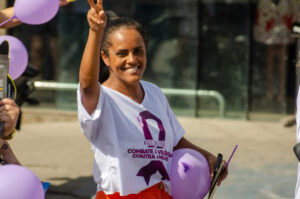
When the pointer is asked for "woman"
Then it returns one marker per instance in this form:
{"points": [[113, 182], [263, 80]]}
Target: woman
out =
{"points": [[131, 127]]}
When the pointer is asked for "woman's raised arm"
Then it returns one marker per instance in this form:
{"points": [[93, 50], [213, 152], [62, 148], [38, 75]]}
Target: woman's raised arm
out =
{"points": [[90, 66]]}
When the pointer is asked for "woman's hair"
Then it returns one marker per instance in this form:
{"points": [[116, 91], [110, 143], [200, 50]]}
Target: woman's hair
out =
{"points": [[114, 23]]}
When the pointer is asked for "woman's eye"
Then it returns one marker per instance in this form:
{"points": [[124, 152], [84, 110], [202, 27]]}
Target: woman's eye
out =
{"points": [[138, 51], [122, 54]]}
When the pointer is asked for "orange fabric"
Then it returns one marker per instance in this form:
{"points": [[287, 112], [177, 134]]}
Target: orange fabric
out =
{"points": [[155, 192]]}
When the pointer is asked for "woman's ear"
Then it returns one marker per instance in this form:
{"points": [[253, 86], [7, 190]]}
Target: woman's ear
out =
{"points": [[105, 58]]}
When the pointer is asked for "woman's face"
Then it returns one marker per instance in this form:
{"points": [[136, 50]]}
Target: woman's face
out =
{"points": [[126, 55]]}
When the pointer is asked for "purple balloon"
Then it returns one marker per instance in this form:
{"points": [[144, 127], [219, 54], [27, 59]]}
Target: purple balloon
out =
{"points": [[35, 11], [18, 56], [17, 182], [190, 175]]}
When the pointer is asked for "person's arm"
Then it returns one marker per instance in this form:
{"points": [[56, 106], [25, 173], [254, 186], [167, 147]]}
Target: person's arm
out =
{"points": [[6, 14], [90, 66], [211, 159], [9, 113], [7, 153]]}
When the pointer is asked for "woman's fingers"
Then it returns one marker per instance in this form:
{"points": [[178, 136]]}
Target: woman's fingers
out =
{"points": [[91, 3], [99, 5], [223, 175], [99, 2], [96, 16], [103, 17], [96, 21], [93, 17]]}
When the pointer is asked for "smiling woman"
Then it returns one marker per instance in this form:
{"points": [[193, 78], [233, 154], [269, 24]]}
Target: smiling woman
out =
{"points": [[124, 53], [128, 121]]}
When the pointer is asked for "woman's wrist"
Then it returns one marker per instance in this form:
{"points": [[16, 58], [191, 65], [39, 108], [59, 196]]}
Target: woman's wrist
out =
{"points": [[8, 137], [97, 35]]}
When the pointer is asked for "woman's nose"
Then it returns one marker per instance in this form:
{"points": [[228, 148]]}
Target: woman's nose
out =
{"points": [[131, 59]]}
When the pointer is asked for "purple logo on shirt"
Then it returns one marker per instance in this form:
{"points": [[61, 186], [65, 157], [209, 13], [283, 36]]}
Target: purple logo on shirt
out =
{"points": [[149, 140], [155, 165], [151, 168]]}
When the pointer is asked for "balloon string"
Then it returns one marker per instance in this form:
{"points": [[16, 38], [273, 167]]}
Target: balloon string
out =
{"points": [[8, 20]]}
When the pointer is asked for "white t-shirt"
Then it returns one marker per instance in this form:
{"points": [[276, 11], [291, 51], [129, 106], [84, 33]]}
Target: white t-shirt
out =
{"points": [[132, 142]]}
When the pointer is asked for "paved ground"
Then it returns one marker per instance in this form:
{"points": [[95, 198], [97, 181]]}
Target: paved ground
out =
{"points": [[264, 167]]}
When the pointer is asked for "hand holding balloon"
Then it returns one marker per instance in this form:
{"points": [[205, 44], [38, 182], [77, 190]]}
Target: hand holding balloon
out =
{"points": [[34, 12], [189, 175]]}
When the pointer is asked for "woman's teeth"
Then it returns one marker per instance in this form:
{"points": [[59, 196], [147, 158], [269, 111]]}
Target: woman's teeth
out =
{"points": [[132, 70]]}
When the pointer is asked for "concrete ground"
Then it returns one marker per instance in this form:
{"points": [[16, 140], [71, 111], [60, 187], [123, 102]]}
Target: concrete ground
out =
{"points": [[51, 144]]}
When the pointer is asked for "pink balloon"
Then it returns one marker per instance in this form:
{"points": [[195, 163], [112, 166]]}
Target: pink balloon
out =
{"points": [[35, 11], [190, 175], [18, 56], [17, 182]]}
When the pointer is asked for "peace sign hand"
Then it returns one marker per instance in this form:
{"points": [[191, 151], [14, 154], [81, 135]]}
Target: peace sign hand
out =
{"points": [[96, 16]]}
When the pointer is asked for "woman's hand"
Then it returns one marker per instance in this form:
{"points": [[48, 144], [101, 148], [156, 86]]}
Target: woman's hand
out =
{"points": [[9, 113], [212, 160], [96, 16]]}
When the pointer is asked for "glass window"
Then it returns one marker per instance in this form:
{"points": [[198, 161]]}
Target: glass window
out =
{"points": [[214, 46], [273, 59]]}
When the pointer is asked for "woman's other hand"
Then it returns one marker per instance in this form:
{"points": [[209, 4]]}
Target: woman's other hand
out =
{"points": [[212, 160]]}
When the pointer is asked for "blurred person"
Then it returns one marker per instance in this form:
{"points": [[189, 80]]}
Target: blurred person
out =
{"points": [[9, 113], [44, 46], [40, 41], [121, 115], [7, 13], [272, 28]]}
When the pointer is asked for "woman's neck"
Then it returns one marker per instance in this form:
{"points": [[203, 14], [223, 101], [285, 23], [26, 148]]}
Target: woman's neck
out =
{"points": [[132, 90]]}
